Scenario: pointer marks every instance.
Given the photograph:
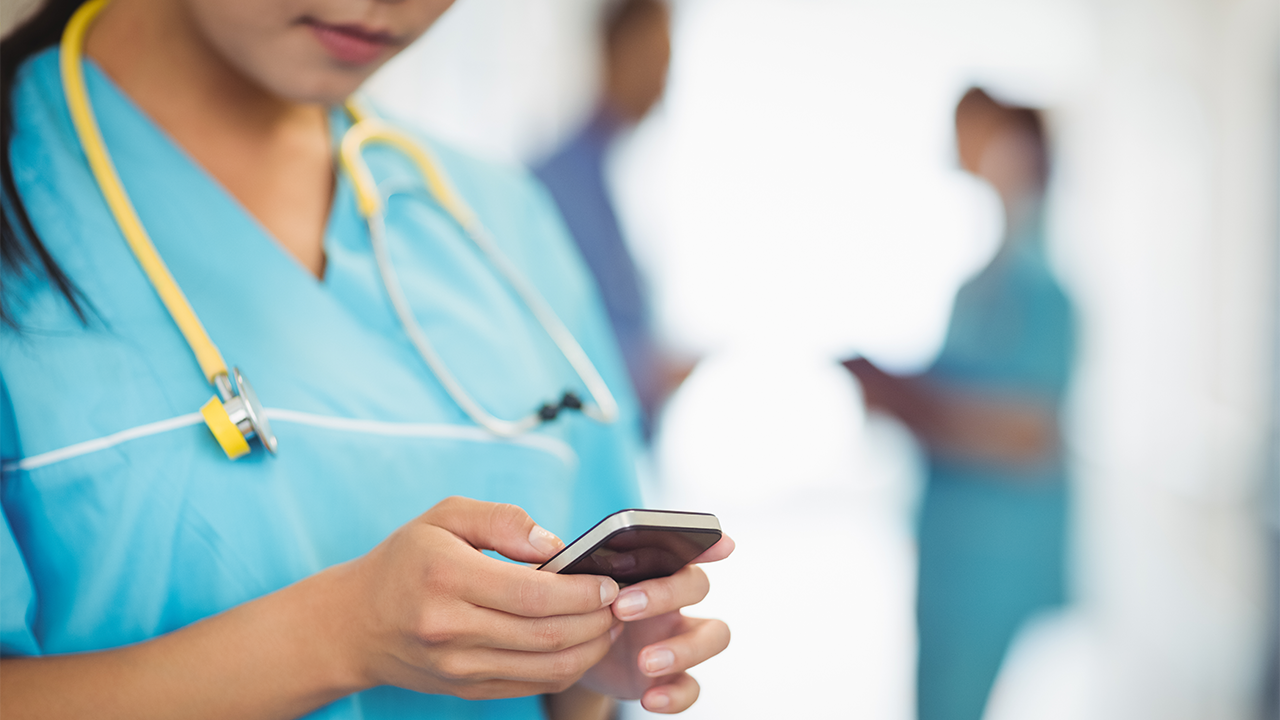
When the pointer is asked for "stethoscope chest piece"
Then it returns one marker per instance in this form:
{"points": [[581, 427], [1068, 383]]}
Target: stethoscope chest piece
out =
{"points": [[238, 416]]}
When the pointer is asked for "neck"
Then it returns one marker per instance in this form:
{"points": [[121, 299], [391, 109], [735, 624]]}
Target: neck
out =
{"points": [[271, 154], [1021, 212], [606, 122], [1018, 210], [620, 104]]}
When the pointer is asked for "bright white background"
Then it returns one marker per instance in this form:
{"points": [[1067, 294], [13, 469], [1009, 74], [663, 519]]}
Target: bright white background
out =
{"points": [[795, 199]]}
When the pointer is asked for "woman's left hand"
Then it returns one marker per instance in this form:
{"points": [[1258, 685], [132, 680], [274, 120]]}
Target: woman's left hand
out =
{"points": [[657, 644]]}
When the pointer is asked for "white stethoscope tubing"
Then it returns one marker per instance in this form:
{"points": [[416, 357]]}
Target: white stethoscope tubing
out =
{"points": [[605, 408]]}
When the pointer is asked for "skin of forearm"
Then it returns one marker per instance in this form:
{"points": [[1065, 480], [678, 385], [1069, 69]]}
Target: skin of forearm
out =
{"points": [[962, 425], [279, 656], [1015, 433]]}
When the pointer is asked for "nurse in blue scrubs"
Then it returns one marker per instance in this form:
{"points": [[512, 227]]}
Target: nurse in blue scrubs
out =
{"points": [[144, 574], [993, 522]]}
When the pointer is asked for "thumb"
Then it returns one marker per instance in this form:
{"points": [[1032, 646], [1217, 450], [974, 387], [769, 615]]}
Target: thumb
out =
{"points": [[495, 526]]}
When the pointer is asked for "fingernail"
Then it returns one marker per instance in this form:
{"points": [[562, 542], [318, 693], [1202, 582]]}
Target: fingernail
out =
{"points": [[657, 701], [544, 541], [631, 603], [608, 591], [616, 631], [657, 661]]}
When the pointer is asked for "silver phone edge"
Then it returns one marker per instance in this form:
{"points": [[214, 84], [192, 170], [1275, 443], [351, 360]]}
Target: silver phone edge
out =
{"points": [[629, 518]]}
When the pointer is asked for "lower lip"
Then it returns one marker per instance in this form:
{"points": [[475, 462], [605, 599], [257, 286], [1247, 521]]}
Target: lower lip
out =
{"points": [[346, 48]]}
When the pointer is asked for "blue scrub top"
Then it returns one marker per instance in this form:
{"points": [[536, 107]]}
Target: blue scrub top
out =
{"points": [[123, 519], [1011, 335], [993, 539]]}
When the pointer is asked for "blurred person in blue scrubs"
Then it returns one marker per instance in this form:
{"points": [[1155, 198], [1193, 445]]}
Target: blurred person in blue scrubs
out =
{"points": [[993, 521], [144, 574], [637, 50]]}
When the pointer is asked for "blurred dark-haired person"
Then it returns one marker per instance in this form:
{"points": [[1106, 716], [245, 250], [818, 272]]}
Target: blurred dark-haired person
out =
{"points": [[993, 522], [636, 38]]}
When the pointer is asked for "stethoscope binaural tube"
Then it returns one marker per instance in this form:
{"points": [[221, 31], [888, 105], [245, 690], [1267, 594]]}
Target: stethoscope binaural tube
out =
{"points": [[370, 203]]}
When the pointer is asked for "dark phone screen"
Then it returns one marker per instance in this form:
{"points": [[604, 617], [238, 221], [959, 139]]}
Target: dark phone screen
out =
{"points": [[640, 553]]}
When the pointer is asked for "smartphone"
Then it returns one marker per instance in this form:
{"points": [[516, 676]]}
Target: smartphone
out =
{"points": [[634, 545]]}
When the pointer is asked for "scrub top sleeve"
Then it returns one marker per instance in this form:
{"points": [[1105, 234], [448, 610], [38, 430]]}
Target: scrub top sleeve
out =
{"points": [[17, 592]]}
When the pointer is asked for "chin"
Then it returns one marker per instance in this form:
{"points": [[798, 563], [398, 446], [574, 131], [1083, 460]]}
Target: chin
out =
{"points": [[305, 76], [325, 87]]}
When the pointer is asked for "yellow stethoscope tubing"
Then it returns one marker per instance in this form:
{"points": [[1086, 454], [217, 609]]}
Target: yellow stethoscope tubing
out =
{"points": [[86, 124], [369, 130]]}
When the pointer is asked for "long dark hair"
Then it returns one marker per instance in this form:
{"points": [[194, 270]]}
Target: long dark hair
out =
{"points": [[21, 251]]}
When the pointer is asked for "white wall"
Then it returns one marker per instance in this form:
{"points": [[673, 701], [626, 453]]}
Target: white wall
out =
{"points": [[1171, 160], [504, 78]]}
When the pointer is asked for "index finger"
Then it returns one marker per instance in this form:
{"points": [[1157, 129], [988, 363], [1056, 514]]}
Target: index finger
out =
{"points": [[524, 591]]}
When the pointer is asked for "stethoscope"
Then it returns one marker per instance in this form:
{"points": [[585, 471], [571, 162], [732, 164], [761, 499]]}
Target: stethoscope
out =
{"points": [[234, 415]]}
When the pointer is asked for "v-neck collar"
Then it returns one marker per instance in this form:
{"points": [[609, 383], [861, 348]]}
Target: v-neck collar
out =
{"points": [[341, 201], [294, 334]]}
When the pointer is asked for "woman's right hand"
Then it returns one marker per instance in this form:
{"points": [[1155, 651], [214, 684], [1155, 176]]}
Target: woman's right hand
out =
{"points": [[429, 612]]}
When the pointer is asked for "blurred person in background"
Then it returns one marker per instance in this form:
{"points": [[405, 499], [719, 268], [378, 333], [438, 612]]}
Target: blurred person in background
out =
{"points": [[993, 519], [636, 37]]}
